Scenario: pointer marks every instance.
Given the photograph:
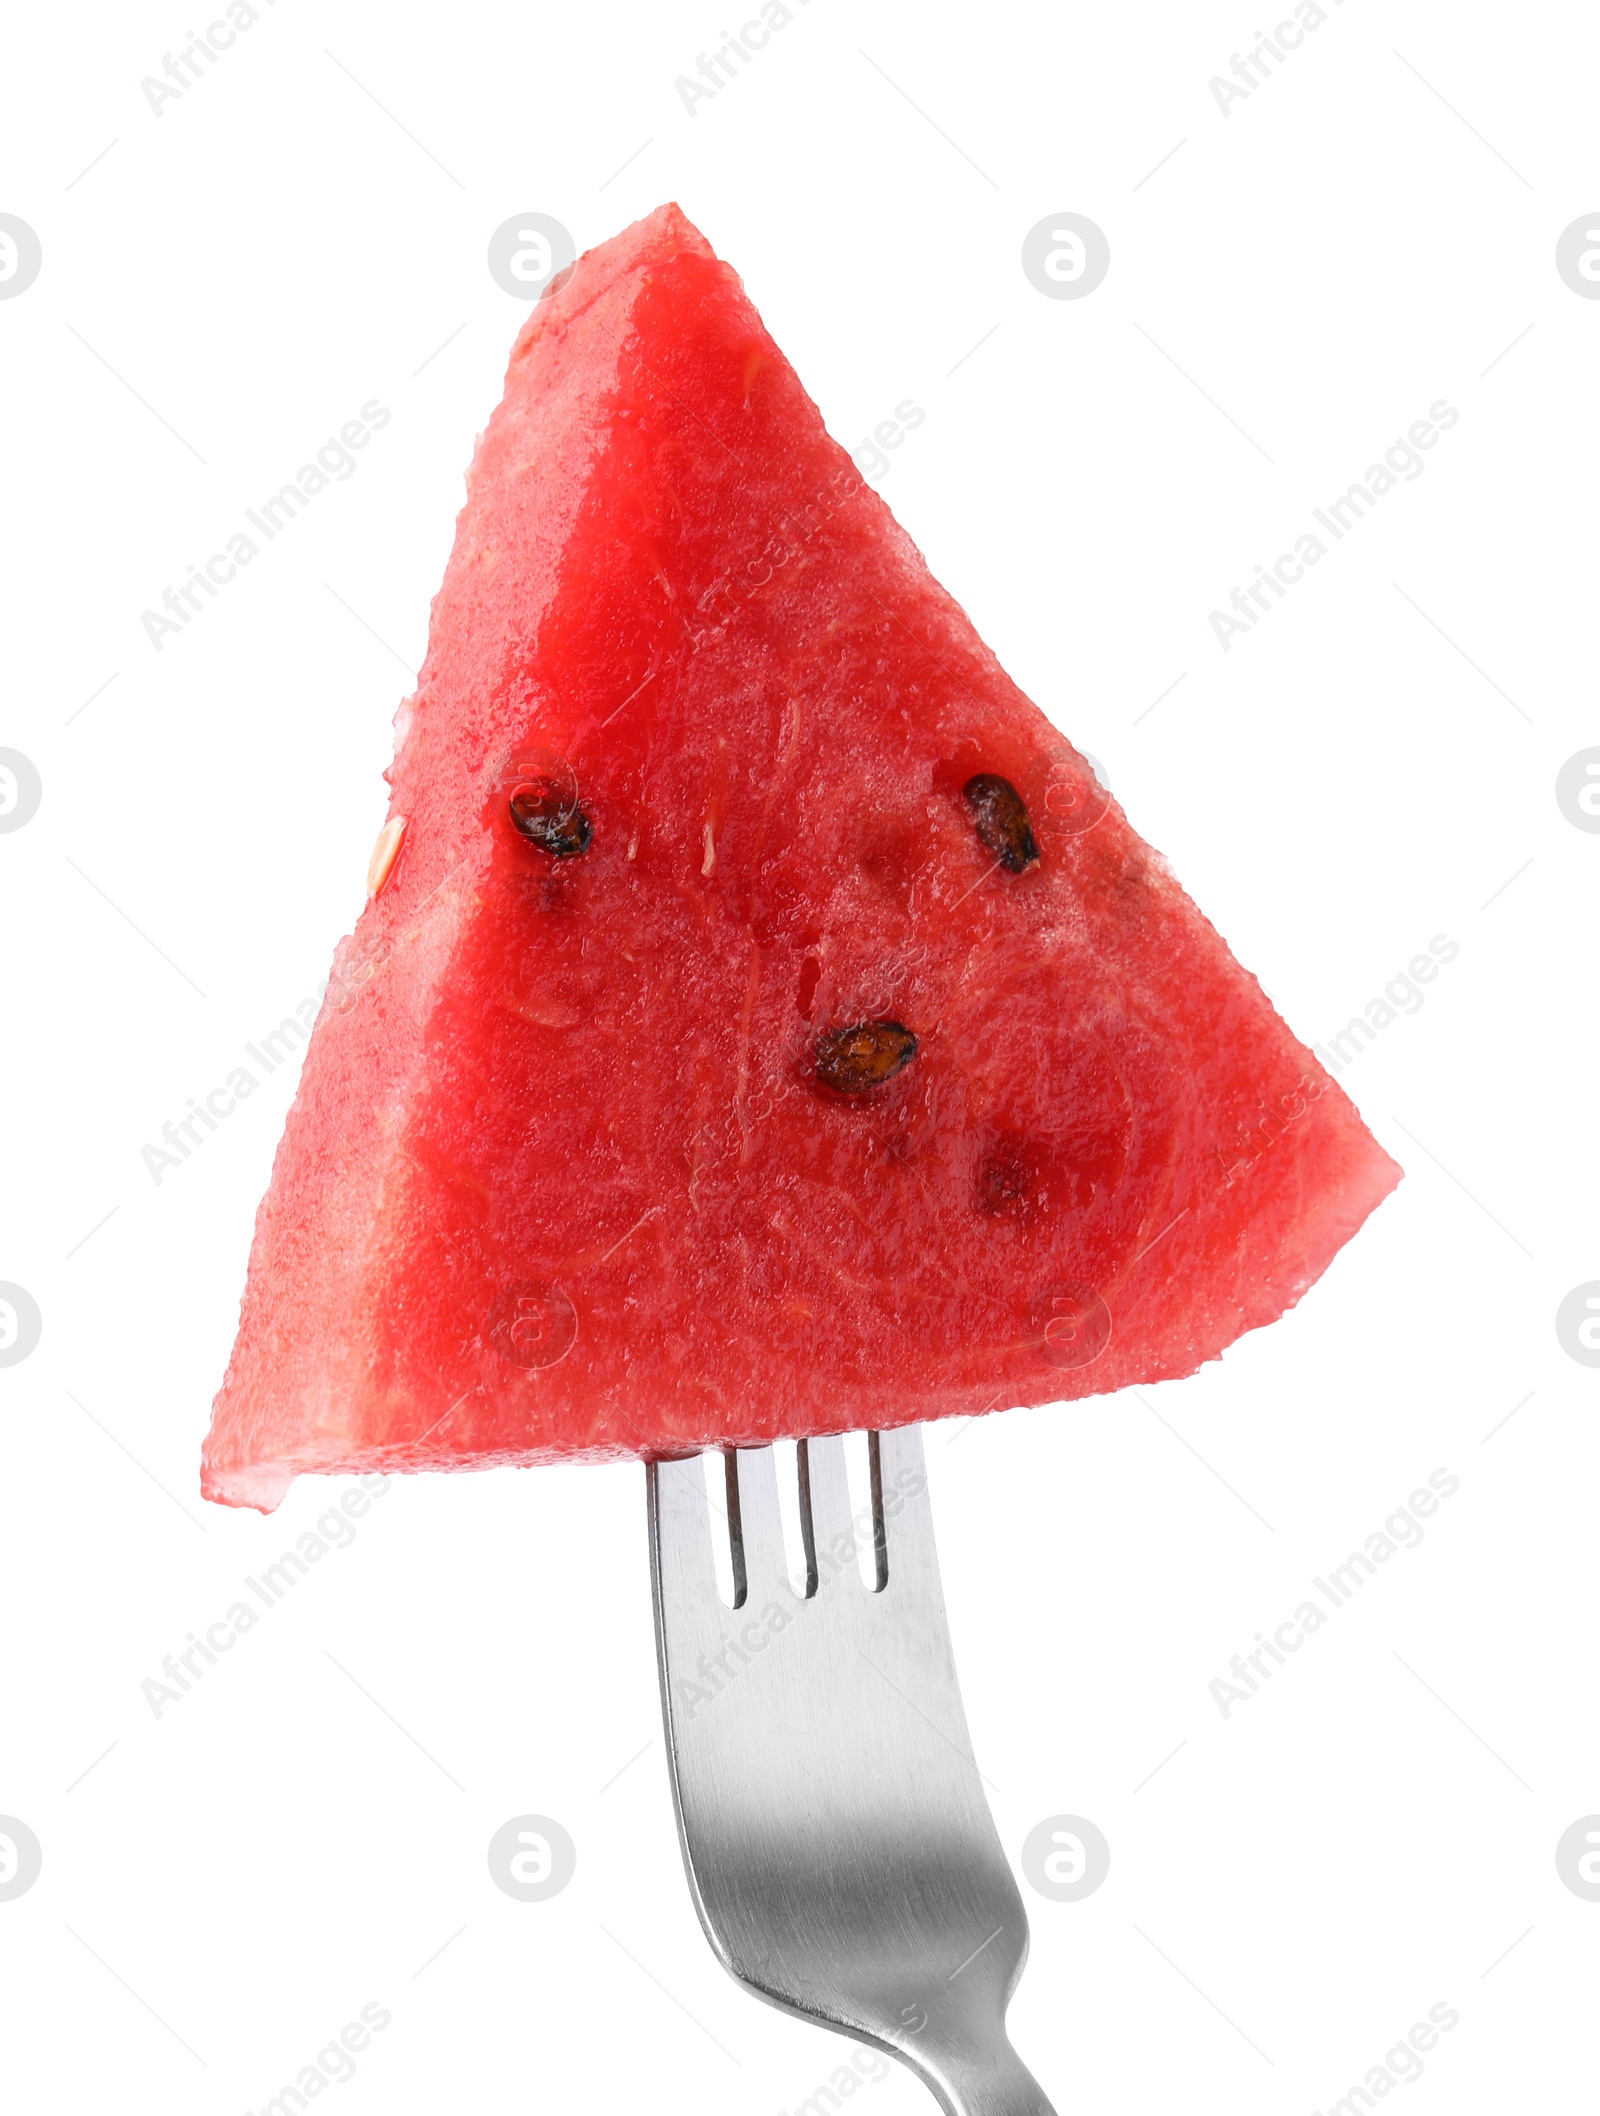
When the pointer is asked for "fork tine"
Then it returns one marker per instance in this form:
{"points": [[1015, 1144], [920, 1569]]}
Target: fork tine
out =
{"points": [[901, 1495], [681, 1519], [755, 1520], [690, 1615], [825, 1511], [900, 1450]]}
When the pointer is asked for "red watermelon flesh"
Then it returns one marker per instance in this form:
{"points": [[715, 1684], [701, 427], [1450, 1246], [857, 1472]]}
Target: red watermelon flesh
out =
{"points": [[773, 1086]]}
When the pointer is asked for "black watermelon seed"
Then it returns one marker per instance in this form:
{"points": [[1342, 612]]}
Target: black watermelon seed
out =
{"points": [[550, 819], [865, 1055], [1000, 816]]}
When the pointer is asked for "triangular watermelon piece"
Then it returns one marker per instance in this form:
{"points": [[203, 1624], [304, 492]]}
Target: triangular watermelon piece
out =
{"points": [[766, 1026]]}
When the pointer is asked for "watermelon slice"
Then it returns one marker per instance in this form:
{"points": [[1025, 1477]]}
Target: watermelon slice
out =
{"points": [[763, 1022]]}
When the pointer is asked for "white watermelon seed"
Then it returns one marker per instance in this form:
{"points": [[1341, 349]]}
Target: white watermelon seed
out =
{"points": [[385, 853]]}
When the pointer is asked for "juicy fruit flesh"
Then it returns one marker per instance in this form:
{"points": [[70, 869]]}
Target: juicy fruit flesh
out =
{"points": [[565, 1175]]}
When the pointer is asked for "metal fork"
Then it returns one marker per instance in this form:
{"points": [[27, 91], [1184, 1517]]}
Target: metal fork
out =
{"points": [[840, 1851]]}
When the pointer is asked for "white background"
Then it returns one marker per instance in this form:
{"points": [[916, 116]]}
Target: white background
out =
{"points": [[1374, 764]]}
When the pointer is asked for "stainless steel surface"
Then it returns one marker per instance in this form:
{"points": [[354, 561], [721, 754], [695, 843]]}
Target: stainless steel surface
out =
{"points": [[839, 1847]]}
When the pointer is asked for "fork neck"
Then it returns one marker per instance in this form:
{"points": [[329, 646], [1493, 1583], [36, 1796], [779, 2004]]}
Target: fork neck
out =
{"points": [[975, 2075]]}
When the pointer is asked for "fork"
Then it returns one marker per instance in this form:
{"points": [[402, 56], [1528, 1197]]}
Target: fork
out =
{"points": [[840, 1851]]}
